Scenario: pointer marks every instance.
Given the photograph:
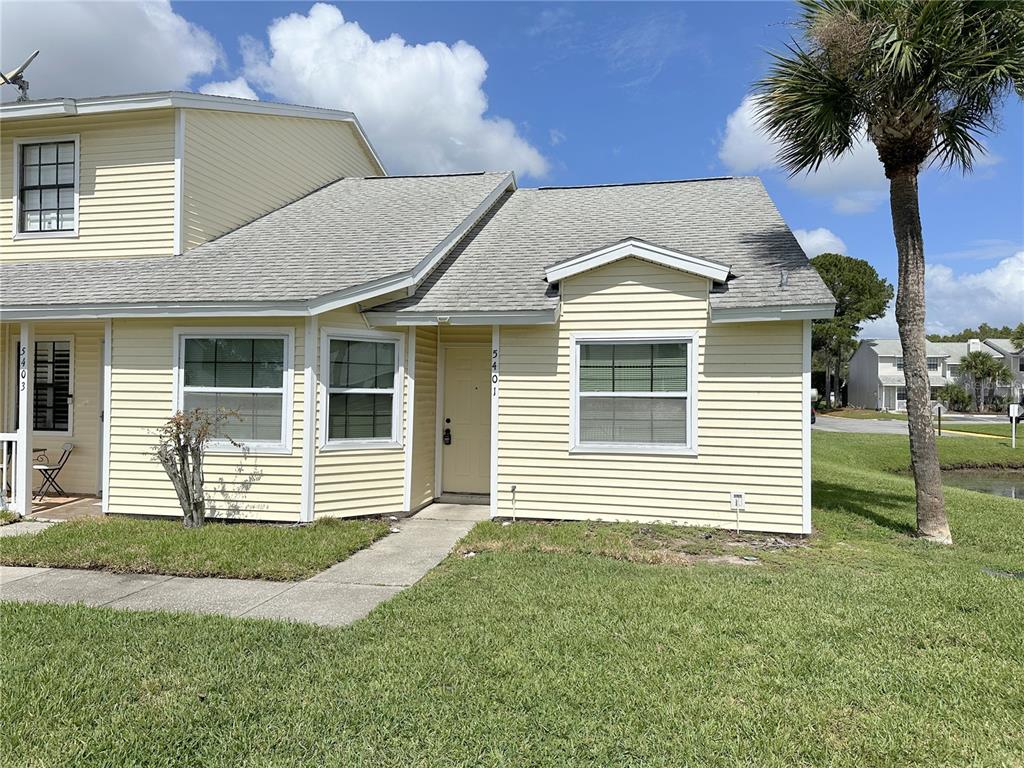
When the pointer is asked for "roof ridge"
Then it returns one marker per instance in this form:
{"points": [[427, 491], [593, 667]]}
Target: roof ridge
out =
{"points": [[642, 183], [434, 175]]}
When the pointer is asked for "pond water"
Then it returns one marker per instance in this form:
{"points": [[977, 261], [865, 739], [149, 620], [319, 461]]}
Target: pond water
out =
{"points": [[1007, 482]]}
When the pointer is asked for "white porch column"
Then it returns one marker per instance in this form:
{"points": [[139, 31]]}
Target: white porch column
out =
{"points": [[310, 405], [495, 391], [26, 376]]}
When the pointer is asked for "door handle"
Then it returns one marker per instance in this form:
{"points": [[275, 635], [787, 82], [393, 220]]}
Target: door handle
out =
{"points": [[446, 436]]}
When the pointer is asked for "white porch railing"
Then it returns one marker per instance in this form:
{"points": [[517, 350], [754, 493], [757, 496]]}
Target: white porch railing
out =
{"points": [[8, 469]]}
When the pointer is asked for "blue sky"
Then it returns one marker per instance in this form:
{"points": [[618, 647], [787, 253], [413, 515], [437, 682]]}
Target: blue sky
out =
{"points": [[578, 94]]}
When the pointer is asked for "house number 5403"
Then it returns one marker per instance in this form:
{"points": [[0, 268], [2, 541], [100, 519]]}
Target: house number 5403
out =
{"points": [[23, 368]]}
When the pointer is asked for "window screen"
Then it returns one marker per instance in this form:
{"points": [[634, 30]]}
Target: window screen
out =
{"points": [[241, 375], [633, 393], [361, 389]]}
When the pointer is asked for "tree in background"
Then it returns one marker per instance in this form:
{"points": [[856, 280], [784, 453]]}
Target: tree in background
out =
{"points": [[955, 397], [983, 331], [984, 371], [923, 81], [861, 294], [1017, 338]]}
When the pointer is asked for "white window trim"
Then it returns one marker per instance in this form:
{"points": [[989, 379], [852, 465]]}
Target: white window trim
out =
{"points": [[691, 338], [71, 387], [284, 445], [347, 334], [16, 194]]}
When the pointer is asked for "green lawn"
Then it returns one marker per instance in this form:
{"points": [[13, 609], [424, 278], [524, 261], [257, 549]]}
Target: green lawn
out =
{"points": [[550, 647], [241, 551], [998, 429]]}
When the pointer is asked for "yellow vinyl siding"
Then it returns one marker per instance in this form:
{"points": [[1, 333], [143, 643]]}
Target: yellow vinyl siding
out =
{"points": [[748, 412], [424, 442], [257, 485], [239, 166], [126, 186], [350, 483], [81, 474]]}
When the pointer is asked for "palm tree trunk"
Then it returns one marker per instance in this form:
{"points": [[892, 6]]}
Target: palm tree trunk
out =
{"points": [[924, 459]]}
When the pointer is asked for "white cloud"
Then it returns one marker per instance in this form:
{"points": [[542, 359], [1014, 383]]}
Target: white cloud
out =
{"points": [[855, 183], [555, 137], [101, 48], [820, 240], [424, 105], [238, 88], [965, 300]]}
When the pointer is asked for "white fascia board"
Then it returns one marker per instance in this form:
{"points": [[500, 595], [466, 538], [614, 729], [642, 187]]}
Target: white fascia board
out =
{"points": [[164, 100], [523, 317], [767, 314], [413, 277], [29, 109], [101, 311], [641, 250]]}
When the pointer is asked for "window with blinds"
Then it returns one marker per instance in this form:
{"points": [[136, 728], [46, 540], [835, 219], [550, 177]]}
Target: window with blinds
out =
{"points": [[52, 387], [240, 375], [633, 393]]}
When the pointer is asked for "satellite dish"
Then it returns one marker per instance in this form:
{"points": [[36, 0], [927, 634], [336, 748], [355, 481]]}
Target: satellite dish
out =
{"points": [[16, 77]]}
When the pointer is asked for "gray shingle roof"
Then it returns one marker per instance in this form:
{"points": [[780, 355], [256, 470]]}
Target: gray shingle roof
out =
{"points": [[500, 265], [348, 233], [954, 350], [358, 231]]}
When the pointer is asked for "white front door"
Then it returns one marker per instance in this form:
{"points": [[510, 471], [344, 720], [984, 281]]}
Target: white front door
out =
{"points": [[466, 419]]}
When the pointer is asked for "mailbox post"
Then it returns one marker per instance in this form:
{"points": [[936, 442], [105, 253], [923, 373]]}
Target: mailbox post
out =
{"points": [[938, 412], [1016, 412]]}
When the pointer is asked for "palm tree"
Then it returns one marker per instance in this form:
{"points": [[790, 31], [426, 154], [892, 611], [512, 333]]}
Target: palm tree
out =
{"points": [[923, 80], [979, 367]]}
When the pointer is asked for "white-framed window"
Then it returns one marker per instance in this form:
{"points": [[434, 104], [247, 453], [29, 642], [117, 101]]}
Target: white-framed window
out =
{"points": [[53, 385], [634, 392], [933, 363], [46, 173], [361, 374], [899, 363], [248, 371]]}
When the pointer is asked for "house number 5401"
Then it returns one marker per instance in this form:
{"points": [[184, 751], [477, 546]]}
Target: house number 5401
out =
{"points": [[494, 372]]}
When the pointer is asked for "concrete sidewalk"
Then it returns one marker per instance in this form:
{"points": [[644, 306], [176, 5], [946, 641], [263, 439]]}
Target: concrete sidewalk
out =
{"points": [[343, 593]]}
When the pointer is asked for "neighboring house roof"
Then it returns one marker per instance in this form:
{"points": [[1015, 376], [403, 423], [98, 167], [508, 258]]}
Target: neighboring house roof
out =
{"points": [[500, 266], [953, 350], [1003, 346], [353, 236], [897, 380], [95, 105]]}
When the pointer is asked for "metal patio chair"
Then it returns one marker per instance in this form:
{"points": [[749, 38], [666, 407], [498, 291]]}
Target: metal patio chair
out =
{"points": [[50, 473]]}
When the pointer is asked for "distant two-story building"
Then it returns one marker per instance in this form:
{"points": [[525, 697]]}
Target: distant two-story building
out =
{"points": [[876, 379], [1013, 358], [385, 341]]}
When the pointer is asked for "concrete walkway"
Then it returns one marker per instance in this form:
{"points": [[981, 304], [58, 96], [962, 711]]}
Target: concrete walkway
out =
{"points": [[343, 593]]}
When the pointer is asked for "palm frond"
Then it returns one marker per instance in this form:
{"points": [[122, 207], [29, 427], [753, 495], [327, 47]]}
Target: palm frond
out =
{"points": [[812, 114]]}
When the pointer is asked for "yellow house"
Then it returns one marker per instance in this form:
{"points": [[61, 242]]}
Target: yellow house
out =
{"points": [[621, 352]]}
